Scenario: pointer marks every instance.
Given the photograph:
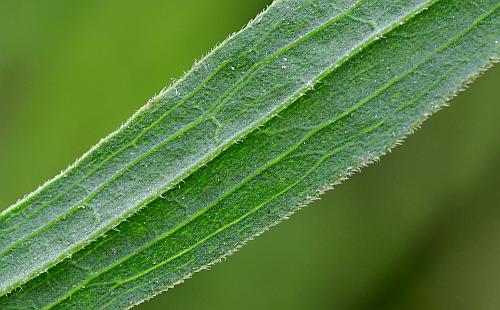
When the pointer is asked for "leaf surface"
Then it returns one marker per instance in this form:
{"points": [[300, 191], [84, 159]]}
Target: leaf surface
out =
{"points": [[301, 98]]}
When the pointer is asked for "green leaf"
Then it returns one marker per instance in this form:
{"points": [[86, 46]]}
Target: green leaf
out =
{"points": [[305, 95]]}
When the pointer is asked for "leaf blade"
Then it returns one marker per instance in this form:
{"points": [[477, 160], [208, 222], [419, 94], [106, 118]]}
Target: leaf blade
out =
{"points": [[319, 97]]}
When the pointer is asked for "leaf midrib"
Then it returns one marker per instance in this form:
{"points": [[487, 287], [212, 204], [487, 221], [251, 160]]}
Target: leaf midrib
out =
{"points": [[283, 105]]}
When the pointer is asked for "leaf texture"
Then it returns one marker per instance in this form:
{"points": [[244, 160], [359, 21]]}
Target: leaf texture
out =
{"points": [[305, 95]]}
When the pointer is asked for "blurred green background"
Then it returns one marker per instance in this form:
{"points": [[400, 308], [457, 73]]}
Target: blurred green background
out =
{"points": [[419, 230]]}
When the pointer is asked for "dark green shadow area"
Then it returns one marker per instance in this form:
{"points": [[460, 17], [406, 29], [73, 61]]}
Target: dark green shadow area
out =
{"points": [[419, 230]]}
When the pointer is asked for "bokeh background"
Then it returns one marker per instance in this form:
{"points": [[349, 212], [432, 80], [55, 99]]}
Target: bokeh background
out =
{"points": [[419, 230]]}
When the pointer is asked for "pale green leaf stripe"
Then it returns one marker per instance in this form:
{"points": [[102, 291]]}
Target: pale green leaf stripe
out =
{"points": [[363, 88]]}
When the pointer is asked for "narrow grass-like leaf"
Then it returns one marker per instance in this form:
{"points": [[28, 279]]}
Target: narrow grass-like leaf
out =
{"points": [[305, 95]]}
